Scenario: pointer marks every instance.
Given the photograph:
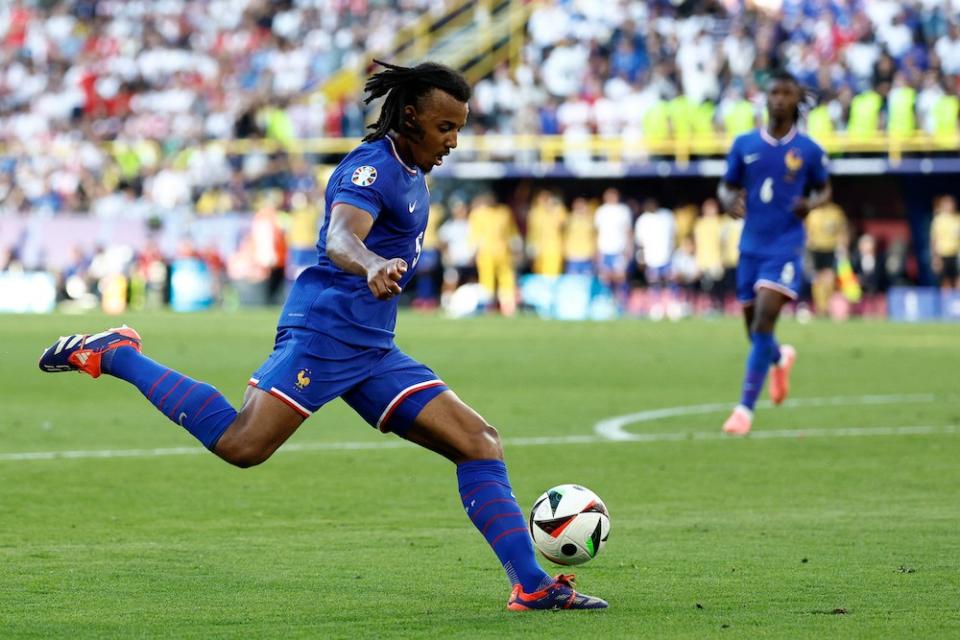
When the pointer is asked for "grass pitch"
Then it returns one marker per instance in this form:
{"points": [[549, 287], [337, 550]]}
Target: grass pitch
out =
{"points": [[847, 531]]}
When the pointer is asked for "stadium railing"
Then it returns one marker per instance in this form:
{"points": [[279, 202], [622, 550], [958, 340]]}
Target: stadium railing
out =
{"points": [[554, 149]]}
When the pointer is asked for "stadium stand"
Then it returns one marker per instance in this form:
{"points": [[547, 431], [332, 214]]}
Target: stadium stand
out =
{"points": [[190, 115]]}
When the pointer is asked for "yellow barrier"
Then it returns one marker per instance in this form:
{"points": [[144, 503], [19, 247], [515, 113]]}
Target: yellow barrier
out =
{"points": [[552, 149]]}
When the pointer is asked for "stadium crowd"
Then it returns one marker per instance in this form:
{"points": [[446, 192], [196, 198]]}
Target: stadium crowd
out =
{"points": [[653, 260], [105, 107], [99, 95]]}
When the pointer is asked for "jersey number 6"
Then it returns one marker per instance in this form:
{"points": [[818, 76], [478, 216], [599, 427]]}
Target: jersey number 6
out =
{"points": [[766, 190]]}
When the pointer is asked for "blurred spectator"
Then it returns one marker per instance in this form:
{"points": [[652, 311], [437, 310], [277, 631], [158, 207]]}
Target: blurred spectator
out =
{"points": [[457, 251], [495, 238], [826, 229], [708, 251], [545, 226], [614, 222], [945, 241], [656, 237], [579, 241]]}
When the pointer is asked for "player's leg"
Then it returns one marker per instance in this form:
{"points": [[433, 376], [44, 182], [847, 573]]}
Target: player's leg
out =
{"points": [[451, 428], [407, 398], [243, 438], [506, 285]]}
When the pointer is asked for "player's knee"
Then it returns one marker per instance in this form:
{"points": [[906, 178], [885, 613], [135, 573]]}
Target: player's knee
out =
{"points": [[242, 454], [485, 443]]}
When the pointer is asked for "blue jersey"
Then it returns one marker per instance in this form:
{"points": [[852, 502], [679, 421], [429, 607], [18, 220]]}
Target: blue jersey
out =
{"points": [[331, 301], [775, 174]]}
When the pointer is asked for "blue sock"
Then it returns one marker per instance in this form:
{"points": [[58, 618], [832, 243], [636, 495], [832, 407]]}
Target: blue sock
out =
{"points": [[487, 497], [758, 362], [775, 353], [195, 406]]}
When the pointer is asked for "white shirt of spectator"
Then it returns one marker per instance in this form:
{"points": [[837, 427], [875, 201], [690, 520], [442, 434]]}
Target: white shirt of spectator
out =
{"points": [[455, 236], [949, 53], [613, 222], [655, 233]]}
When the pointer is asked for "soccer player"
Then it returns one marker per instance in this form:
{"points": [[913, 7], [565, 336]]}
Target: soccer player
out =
{"points": [[335, 336], [775, 176]]}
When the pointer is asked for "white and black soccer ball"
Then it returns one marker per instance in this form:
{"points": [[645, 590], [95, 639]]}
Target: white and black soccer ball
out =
{"points": [[569, 524]]}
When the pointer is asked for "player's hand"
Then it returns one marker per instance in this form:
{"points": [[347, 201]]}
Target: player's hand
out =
{"points": [[384, 279], [801, 207], [738, 208]]}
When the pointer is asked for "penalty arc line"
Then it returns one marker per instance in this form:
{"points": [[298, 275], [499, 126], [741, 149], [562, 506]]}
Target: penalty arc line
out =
{"points": [[601, 437]]}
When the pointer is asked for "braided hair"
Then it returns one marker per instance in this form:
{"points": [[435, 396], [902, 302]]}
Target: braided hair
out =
{"points": [[405, 86]]}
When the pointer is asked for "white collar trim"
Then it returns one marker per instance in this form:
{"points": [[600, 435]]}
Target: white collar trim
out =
{"points": [[393, 148], [774, 142]]}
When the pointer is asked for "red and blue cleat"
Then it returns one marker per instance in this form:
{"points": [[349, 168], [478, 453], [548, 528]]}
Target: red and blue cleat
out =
{"points": [[559, 595], [84, 352]]}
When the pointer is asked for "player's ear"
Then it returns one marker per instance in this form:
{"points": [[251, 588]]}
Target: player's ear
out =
{"points": [[411, 122]]}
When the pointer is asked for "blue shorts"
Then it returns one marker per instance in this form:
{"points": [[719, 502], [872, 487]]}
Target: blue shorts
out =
{"points": [[615, 262], [386, 387], [783, 274]]}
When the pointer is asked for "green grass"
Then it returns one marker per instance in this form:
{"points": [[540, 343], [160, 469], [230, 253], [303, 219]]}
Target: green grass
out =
{"points": [[749, 538]]}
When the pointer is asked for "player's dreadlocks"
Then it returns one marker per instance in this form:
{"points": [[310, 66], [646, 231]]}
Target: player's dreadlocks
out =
{"points": [[406, 85]]}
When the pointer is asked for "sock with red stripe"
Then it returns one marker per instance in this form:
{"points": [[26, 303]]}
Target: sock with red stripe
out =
{"points": [[196, 406], [490, 504]]}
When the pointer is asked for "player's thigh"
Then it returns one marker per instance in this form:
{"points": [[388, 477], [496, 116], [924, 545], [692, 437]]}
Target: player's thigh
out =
{"points": [[450, 427], [783, 274], [748, 272], [262, 425], [406, 397]]}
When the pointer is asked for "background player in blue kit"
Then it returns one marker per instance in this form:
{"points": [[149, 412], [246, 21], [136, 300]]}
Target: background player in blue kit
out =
{"points": [[775, 176], [335, 333]]}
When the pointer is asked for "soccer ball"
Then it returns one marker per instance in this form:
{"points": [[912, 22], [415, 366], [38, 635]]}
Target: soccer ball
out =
{"points": [[569, 524]]}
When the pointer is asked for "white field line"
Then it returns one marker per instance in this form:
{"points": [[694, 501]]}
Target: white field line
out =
{"points": [[613, 428], [621, 436]]}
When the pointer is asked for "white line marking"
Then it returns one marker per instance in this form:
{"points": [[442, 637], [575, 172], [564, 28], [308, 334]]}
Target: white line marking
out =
{"points": [[613, 428], [645, 416]]}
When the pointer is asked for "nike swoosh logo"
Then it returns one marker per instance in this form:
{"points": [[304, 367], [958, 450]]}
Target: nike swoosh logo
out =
{"points": [[753, 157], [412, 206]]}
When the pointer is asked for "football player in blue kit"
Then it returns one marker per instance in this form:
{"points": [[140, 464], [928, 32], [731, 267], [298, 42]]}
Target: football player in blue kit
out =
{"points": [[335, 336], [775, 177]]}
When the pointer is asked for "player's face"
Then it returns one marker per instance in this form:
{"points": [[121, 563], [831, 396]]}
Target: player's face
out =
{"points": [[441, 117], [783, 97]]}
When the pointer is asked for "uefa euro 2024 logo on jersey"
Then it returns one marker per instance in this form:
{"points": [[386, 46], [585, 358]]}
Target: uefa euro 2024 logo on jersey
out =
{"points": [[364, 176]]}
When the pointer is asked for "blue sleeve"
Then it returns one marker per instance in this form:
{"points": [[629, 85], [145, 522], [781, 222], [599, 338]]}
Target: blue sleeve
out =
{"points": [[362, 187], [734, 174], [818, 173]]}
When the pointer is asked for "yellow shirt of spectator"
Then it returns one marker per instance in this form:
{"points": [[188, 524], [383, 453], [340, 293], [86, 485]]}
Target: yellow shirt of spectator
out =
{"points": [[730, 230], [438, 213], [708, 244], [825, 225], [545, 236], [945, 234], [579, 242], [492, 229]]}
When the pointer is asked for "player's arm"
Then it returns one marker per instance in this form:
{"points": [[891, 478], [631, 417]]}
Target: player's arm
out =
{"points": [[820, 193], [348, 229], [733, 199], [818, 196], [730, 193]]}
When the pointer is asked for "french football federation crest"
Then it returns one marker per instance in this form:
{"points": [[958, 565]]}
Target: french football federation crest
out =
{"points": [[364, 176], [303, 380], [794, 160]]}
